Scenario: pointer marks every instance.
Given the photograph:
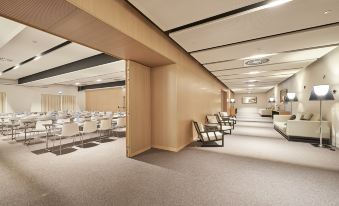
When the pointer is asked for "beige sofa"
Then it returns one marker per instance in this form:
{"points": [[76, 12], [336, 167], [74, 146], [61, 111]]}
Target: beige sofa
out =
{"points": [[265, 112], [302, 130]]}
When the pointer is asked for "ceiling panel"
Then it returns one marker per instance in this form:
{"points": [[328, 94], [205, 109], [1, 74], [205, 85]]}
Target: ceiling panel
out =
{"points": [[292, 16], [26, 44], [116, 70], [9, 29], [171, 14], [282, 57], [243, 77], [300, 40], [67, 54]]}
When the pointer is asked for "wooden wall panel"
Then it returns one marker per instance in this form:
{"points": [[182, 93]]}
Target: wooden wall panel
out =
{"points": [[107, 99], [164, 107], [138, 87]]}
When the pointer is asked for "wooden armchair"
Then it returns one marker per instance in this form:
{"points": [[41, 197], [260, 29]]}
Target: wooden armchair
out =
{"points": [[225, 120], [208, 135], [212, 120]]}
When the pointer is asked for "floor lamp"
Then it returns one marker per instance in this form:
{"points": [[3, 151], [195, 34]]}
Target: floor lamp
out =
{"points": [[291, 97], [321, 93], [232, 101], [271, 100]]}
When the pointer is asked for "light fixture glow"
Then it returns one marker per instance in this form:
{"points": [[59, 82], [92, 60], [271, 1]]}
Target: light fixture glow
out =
{"points": [[276, 3], [321, 90], [251, 85], [99, 80], [78, 83], [271, 99], [16, 66], [232, 100], [327, 12], [251, 81], [59, 92], [253, 72], [37, 57], [257, 56], [291, 95]]}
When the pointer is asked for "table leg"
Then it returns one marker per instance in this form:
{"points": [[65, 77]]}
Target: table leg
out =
{"points": [[47, 141], [12, 134]]}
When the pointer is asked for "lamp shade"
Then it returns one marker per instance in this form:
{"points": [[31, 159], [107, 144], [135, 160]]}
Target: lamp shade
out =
{"points": [[271, 99], [291, 97], [321, 92], [232, 100]]}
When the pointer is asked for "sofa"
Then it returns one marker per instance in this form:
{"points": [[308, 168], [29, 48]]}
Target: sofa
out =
{"points": [[265, 112], [300, 129]]}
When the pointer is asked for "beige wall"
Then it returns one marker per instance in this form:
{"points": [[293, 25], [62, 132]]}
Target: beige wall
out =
{"points": [[32, 97], [262, 102], [323, 71], [108, 99]]}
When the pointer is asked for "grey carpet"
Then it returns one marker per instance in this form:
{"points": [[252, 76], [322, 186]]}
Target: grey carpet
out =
{"points": [[256, 167]]}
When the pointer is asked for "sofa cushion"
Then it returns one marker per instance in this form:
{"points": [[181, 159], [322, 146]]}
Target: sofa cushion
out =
{"points": [[315, 117], [281, 126], [306, 116], [293, 117], [212, 136], [201, 127], [212, 119]]}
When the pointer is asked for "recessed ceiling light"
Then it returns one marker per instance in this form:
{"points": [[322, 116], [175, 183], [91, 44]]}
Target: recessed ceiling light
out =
{"points": [[78, 83], [17, 66], [327, 11], [251, 81], [37, 57], [258, 56], [253, 72], [251, 85], [59, 92], [99, 80], [276, 3]]}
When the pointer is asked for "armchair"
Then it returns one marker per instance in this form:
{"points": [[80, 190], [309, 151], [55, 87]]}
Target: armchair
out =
{"points": [[206, 136]]}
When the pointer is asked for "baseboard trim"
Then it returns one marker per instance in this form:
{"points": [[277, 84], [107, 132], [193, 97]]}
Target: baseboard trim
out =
{"points": [[140, 151], [172, 149]]}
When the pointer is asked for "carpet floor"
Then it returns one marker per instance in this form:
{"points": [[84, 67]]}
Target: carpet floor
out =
{"points": [[256, 167]]}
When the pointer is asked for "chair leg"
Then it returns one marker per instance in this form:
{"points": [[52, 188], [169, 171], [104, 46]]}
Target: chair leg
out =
{"points": [[222, 141], [60, 145]]}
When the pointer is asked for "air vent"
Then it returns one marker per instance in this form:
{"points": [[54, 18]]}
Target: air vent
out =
{"points": [[253, 62], [4, 59]]}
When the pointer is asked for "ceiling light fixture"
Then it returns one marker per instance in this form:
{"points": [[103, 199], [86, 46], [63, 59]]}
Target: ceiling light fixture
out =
{"points": [[276, 3], [59, 92], [327, 12], [251, 81], [251, 85], [37, 57], [16, 66], [78, 83], [253, 72], [258, 56], [99, 80]]}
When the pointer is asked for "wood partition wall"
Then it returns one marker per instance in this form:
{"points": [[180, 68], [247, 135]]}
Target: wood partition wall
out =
{"points": [[138, 87], [107, 100]]}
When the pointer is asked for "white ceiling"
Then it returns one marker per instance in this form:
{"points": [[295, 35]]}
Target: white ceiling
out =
{"points": [[297, 33], [19, 43], [114, 71]]}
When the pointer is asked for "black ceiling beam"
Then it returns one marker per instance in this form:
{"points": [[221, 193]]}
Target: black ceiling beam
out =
{"points": [[102, 85], [219, 16], [43, 53], [71, 67]]}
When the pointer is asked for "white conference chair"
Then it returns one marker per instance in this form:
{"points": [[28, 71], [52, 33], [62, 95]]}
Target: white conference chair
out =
{"points": [[40, 127], [89, 127], [121, 125], [69, 130], [105, 125]]}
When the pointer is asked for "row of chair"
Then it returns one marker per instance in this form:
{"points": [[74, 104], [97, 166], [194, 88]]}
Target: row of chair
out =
{"points": [[215, 128]]}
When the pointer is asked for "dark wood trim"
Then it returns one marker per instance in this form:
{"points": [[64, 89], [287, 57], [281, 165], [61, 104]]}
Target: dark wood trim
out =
{"points": [[88, 62], [102, 85]]}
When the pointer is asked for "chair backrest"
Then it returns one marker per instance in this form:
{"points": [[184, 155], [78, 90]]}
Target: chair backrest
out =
{"points": [[121, 122], [61, 121], [223, 114], [199, 127], [40, 124], [90, 126], [212, 119], [106, 124], [70, 129]]}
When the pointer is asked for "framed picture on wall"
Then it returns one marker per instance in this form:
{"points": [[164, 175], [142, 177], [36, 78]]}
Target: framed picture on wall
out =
{"points": [[249, 100], [283, 94]]}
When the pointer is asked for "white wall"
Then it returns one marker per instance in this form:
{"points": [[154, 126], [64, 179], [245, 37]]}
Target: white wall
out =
{"points": [[262, 102], [23, 99], [323, 71]]}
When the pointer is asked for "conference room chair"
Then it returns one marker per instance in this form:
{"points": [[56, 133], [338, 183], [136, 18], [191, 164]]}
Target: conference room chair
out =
{"points": [[68, 130], [88, 127], [120, 126], [105, 126]]}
